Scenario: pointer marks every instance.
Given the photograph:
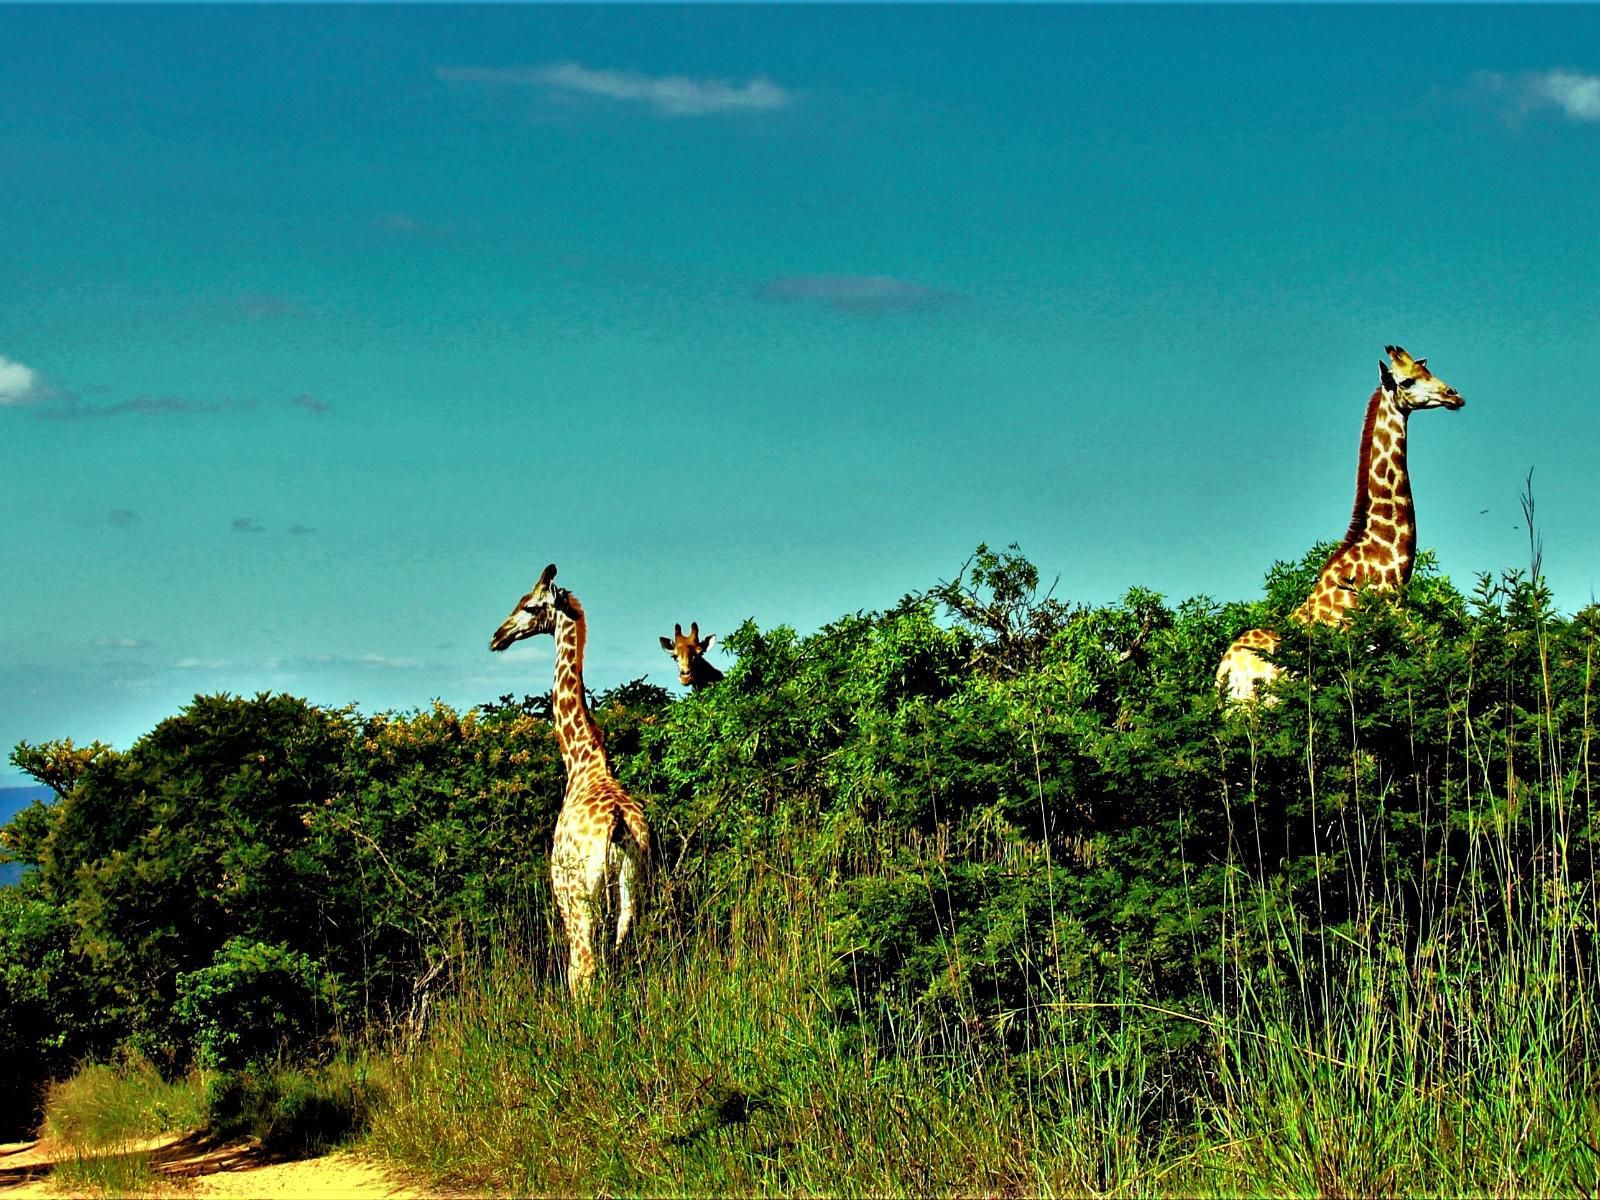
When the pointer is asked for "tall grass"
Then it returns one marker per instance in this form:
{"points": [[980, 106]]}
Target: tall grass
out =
{"points": [[1438, 1041], [102, 1105], [105, 1118], [718, 1065], [1443, 1042]]}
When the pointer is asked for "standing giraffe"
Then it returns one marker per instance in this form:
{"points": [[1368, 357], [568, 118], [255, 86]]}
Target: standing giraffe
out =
{"points": [[1380, 547], [601, 838], [693, 669]]}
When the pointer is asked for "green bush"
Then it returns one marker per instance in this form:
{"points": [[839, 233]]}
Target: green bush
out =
{"points": [[1031, 837], [254, 1003]]}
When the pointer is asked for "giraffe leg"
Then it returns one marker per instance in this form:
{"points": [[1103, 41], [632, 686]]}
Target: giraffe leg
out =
{"points": [[624, 865], [569, 881], [581, 897], [580, 954]]}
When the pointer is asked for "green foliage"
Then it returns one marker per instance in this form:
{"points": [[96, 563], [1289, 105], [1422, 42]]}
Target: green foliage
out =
{"points": [[196, 834], [440, 827], [255, 1003], [1019, 841], [52, 1007], [995, 598]]}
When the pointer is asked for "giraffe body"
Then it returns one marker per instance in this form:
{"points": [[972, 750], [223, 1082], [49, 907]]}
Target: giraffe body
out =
{"points": [[1380, 548], [694, 670], [602, 842]]}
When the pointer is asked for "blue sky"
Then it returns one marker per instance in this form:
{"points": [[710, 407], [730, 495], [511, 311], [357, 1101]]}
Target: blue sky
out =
{"points": [[322, 329]]}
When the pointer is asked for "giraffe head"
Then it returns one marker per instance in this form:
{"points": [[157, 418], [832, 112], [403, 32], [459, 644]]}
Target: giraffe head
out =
{"points": [[690, 651], [1412, 385], [535, 613]]}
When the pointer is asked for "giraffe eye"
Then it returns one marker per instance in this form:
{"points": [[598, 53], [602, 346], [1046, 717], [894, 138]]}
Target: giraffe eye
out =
{"points": [[1405, 383]]}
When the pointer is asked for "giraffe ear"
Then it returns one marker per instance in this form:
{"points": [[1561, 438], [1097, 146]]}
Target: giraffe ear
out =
{"points": [[711, 640], [666, 644], [1384, 376]]}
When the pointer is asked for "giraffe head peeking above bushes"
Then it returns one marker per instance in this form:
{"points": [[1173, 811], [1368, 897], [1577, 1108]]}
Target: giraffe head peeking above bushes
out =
{"points": [[690, 652]]}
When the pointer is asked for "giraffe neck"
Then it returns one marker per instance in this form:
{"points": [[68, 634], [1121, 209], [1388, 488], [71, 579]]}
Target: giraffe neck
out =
{"points": [[703, 674], [576, 733], [1383, 526], [1380, 547]]}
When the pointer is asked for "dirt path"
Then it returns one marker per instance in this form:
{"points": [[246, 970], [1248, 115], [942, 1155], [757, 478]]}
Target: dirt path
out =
{"points": [[187, 1166]]}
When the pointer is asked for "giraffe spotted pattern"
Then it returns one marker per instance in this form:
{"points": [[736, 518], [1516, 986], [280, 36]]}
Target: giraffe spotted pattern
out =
{"points": [[602, 842], [1380, 547]]}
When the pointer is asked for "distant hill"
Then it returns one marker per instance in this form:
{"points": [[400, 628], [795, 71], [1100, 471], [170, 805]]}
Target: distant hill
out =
{"points": [[12, 801]]}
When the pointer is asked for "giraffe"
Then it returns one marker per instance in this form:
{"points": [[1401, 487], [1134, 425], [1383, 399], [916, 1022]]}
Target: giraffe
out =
{"points": [[601, 839], [693, 669], [1380, 547]]}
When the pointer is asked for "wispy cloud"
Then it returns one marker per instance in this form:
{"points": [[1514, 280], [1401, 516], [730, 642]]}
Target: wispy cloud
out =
{"points": [[860, 294], [246, 525], [67, 406], [1575, 95], [17, 382], [389, 662], [119, 643], [301, 530], [665, 95], [122, 518], [297, 664]]}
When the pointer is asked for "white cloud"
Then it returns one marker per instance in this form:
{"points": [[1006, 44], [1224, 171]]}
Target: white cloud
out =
{"points": [[667, 95], [16, 382], [1577, 96], [119, 643]]}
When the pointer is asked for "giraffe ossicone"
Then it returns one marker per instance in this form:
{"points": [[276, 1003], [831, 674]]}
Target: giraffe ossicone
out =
{"points": [[1380, 547], [601, 845], [694, 670]]}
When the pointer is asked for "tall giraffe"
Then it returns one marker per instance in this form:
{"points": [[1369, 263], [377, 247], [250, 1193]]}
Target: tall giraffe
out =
{"points": [[1380, 547], [693, 669], [601, 839]]}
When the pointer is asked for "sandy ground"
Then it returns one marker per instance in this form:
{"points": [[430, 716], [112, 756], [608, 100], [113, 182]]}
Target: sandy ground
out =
{"points": [[187, 1166]]}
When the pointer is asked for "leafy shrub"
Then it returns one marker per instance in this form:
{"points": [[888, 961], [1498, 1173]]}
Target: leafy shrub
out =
{"points": [[1032, 829], [253, 1003]]}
